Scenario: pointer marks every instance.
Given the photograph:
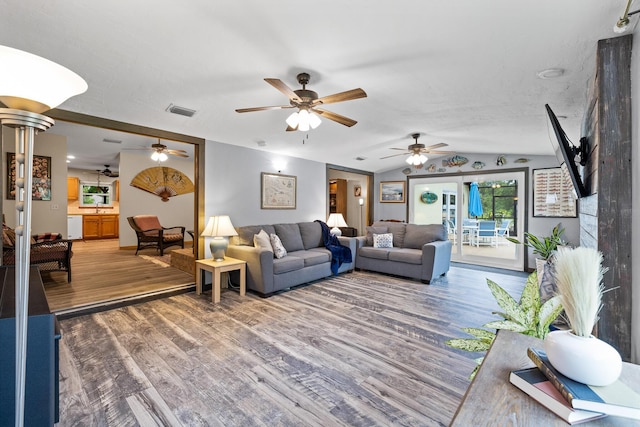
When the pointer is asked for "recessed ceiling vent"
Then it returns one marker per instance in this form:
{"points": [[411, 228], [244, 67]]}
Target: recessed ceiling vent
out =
{"points": [[111, 141], [361, 158], [180, 110]]}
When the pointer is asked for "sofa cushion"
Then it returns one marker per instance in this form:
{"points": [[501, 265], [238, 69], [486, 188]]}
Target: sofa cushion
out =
{"points": [[312, 257], [246, 233], [418, 235], [289, 235], [407, 256], [371, 230], [371, 252], [383, 240], [278, 249], [262, 241], [311, 233], [287, 264]]}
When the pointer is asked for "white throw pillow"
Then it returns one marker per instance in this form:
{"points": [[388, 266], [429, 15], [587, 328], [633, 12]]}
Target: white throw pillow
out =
{"points": [[383, 240], [278, 249], [262, 241]]}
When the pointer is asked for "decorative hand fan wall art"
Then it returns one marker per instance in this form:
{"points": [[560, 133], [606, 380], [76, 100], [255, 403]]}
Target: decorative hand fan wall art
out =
{"points": [[162, 181]]}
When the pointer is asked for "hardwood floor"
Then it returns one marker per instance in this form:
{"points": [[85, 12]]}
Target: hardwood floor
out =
{"points": [[359, 349], [102, 272]]}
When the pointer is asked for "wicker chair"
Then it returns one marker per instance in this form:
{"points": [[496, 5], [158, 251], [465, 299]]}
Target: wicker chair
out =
{"points": [[151, 234], [49, 251]]}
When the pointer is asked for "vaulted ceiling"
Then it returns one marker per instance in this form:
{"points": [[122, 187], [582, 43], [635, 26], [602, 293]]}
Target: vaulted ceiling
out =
{"points": [[463, 73]]}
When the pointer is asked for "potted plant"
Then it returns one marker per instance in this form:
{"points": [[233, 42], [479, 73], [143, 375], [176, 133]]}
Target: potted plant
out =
{"points": [[575, 352], [544, 247], [529, 316]]}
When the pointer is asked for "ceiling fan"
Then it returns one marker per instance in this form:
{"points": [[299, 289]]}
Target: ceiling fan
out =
{"points": [[161, 152], [307, 102], [417, 151], [108, 172]]}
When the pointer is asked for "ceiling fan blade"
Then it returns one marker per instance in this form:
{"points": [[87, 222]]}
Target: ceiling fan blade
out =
{"points": [[335, 117], [279, 84], [434, 146], [275, 107], [401, 149], [289, 128], [438, 152], [176, 153], [394, 155], [342, 96], [174, 150]]}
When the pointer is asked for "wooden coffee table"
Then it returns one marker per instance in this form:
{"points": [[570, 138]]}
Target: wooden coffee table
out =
{"points": [[217, 268]]}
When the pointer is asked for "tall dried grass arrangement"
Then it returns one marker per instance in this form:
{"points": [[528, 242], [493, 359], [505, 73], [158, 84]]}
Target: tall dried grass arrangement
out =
{"points": [[578, 276]]}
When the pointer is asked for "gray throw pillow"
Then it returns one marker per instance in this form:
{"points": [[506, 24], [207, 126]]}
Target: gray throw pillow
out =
{"points": [[418, 235], [289, 235]]}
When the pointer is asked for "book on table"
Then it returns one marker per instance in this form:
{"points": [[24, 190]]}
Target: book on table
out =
{"points": [[616, 399], [534, 383]]}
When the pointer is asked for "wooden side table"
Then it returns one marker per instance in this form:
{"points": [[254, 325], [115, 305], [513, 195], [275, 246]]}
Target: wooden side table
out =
{"points": [[217, 268]]}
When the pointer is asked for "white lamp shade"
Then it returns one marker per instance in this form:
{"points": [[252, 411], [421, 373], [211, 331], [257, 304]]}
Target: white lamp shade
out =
{"points": [[336, 220], [292, 120], [314, 120], [162, 157], [303, 120], [155, 156], [32, 83], [219, 226]]}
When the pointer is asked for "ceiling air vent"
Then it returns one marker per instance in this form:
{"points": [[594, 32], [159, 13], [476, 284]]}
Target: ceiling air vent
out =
{"points": [[111, 141], [361, 158], [181, 110]]}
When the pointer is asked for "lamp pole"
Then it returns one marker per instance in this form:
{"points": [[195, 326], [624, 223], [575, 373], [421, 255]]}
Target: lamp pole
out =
{"points": [[361, 203]]}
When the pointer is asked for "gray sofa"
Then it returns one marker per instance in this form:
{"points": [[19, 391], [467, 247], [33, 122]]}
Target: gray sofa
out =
{"points": [[419, 251], [307, 258]]}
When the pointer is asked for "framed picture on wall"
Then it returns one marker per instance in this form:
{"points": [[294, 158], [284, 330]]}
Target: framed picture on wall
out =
{"points": [[553, 194], [41, 177], [277, 191], [392, 191], [357, 191]]}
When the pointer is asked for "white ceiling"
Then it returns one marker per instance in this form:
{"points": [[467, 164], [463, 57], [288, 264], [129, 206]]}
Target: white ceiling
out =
{"points": [[459, 72]]}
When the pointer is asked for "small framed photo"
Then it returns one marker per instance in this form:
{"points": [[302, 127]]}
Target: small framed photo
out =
{"points": [[357, 191], [277, 191], [392, 191]]}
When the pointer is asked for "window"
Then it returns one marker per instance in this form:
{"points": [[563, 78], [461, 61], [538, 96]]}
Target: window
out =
{"points": [[96, 194]]}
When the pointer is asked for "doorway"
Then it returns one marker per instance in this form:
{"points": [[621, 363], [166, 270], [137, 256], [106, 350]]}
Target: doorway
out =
{"points": [[479, 211], [196, 148], [349, 192]]}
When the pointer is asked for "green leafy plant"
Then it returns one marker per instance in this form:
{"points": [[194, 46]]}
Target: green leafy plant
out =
{"points": [[529, 316], [543, 246]]}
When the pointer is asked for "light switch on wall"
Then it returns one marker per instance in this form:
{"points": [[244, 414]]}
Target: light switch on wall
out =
{"points": [[54, 206]]}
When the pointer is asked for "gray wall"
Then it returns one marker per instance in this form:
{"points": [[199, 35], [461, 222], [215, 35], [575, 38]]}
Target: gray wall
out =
{"points": [[232, 186], [47, 215]]}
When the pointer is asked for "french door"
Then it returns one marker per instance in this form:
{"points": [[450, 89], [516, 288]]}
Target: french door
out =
{"points": [[479, 235]]}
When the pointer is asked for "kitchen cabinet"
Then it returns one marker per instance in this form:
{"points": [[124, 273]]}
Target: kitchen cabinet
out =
{"points": [[100, 226], [73, 185]]}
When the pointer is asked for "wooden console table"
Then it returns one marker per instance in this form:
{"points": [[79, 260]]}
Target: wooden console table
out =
{"points": [[491, 400], [217, 268]]}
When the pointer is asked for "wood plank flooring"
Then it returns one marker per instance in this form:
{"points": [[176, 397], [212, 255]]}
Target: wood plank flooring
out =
{"points": [[102, 272], [359, 349]]}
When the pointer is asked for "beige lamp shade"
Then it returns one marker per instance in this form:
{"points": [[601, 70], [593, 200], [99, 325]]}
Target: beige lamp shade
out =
{"points": [[35, 84], [219, 226]]}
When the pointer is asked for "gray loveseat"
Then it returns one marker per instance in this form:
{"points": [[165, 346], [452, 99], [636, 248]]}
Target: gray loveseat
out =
{"points": [[307, 258], [419, 251]]}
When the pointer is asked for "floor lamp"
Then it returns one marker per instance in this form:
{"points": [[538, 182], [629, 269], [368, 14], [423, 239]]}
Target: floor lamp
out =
{"points": [[29, 85], [361, 203]]}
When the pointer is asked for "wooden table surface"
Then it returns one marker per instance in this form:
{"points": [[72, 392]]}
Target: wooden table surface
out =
{"points": [[491, 400]]}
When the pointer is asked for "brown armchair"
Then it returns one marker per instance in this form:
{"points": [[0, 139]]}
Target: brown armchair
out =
{"points": [[49, 251], [151, 234]]}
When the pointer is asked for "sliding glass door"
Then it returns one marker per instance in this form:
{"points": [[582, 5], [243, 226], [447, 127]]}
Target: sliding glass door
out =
{"points": [[479, 210]]}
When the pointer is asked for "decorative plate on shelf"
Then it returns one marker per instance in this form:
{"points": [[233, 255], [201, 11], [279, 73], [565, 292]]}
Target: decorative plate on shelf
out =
{"points": [[428, 197]]}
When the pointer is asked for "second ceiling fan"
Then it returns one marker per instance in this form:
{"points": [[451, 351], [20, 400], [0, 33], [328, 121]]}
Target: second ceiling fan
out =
{"points": [[307, 102], [417, 152]]}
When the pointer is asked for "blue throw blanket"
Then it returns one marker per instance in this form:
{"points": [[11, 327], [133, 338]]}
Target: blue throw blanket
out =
{"points": [[339, 253]]}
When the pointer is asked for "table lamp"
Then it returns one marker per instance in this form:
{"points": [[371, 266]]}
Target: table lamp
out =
{"points": [[336, 220], [220, 228]]}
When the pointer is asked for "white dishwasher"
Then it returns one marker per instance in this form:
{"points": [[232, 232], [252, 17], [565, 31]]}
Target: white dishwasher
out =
{"points": [[74, 227]]}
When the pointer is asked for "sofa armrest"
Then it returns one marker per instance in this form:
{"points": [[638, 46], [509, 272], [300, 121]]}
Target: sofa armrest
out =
{"points": [[360, 241], [436, 258], [259, 266], [351, 243]]}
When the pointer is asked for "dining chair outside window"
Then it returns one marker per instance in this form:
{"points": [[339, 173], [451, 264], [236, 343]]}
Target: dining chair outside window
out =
{"points": [[469, 229], [486, 231], [451, 230], [503, 231]]}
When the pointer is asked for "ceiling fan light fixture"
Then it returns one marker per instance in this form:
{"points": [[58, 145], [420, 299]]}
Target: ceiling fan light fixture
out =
{"points": [[292, 120], [314, 120], [162, 157], [417, 159], [155, 156], [303, 120]]}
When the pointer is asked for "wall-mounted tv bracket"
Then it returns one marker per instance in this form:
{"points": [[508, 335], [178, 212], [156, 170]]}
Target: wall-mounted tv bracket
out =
{"points": [[582, 151]]}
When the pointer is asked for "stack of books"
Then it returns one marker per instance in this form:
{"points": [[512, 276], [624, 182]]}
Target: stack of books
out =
{"points": [[572, 401]]}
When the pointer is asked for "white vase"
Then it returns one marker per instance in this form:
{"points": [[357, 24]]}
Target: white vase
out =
{"points": [[589, 361]]}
